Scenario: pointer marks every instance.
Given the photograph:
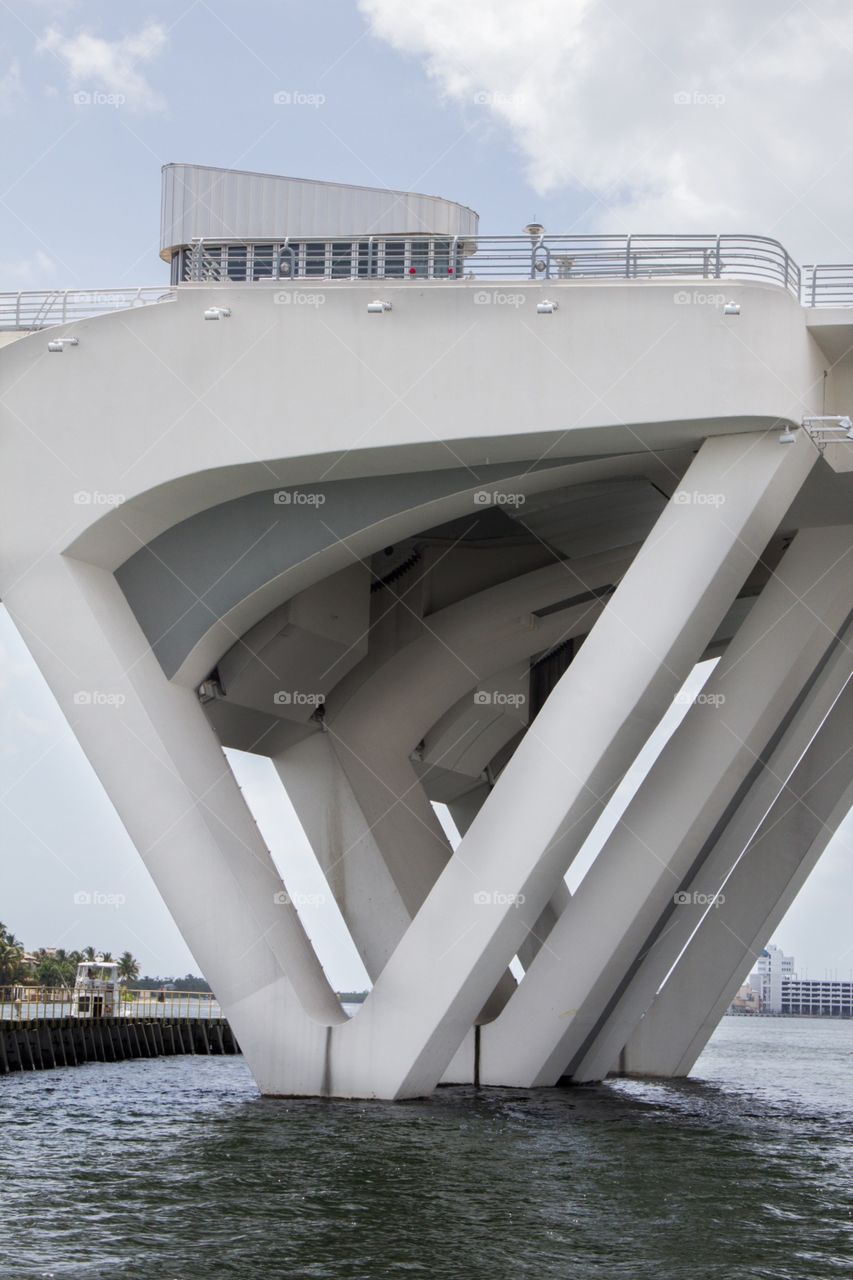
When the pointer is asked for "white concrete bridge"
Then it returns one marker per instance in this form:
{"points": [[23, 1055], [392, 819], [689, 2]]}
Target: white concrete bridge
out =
{"points": [[429, 517]]}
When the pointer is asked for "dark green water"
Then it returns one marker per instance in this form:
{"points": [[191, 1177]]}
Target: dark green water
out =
{"points": [[176, 1169]]}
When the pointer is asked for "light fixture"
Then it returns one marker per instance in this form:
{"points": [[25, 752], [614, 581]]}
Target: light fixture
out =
{"points": [[59, 344], [546, 307], [731, 309], [217, 313], [534, 230], [787, 436], [377, 307]]}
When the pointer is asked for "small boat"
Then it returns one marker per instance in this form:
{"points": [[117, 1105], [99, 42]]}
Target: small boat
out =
{"points": [[97, 991]]}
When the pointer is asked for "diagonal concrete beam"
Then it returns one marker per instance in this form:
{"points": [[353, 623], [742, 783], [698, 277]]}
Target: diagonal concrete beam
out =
{"points": [[723, 951], [687, 799], [589, 731]]}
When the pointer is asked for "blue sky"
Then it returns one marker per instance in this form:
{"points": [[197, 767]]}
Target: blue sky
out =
{"points": [[644, 116]]}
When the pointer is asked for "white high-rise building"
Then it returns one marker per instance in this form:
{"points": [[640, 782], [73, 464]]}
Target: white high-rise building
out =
{"points": [[773, 965]]}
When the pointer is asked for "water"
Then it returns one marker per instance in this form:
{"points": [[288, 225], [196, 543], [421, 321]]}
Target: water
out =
{"points": [[175, 1168]]}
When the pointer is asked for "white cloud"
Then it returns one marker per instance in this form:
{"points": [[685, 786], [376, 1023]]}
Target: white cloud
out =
{"points": [[112, 67], [20, 272], [588, 91], [12, 92]]}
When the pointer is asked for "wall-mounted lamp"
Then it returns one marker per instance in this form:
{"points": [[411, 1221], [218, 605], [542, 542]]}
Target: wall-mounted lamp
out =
{"points": [[788, 436], [217, 313], [59, 344], [731, 309], [546, 307], [378, 307]]}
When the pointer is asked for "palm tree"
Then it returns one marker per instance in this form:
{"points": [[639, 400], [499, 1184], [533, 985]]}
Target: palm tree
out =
{"points": [[88, 953], [128, 967]]}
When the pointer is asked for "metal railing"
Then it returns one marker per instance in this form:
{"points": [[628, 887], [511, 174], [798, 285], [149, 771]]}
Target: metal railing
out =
{"points": [[545, 257], [828, 284], [723, 258], [42, 308], [24, 1003]]}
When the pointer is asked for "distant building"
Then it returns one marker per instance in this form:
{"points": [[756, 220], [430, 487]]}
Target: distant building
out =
{"points": [[772, 968], [818, 997], [747, 1000]]}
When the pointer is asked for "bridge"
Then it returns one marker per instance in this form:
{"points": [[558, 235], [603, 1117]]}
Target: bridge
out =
{"points": [[432, 518]]}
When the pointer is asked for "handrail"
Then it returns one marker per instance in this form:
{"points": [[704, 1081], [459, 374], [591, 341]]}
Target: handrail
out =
{"points": [[724, 258], [39, 309], [25, 1003]]}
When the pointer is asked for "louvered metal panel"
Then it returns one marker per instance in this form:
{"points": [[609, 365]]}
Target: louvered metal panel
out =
{"points": [[227, 204]]}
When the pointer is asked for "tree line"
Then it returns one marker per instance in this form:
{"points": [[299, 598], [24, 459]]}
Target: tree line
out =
{"points": [[55, 969]]}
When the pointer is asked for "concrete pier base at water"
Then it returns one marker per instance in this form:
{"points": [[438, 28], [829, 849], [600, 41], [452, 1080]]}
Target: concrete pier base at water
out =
{"points": [[39, 1044]]}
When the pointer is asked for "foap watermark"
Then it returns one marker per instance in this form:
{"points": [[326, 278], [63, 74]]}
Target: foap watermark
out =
{"points": [[498, 298], [298, 498], [693, 498], [95, 898], [698, 298], [695, 98], [486, 498], [97, 698], [284, 899], [297, 98], [494, 698], [296, 698], [684, 699], [498, 98], [94, 498], [484, 898], [298, 298], [97, 98], [696, 899]]}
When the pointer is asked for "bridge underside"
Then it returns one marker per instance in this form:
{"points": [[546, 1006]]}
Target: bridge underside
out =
{"points": [[502, 637]]}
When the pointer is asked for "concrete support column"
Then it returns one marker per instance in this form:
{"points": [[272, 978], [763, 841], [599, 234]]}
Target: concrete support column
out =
{"points": [[707, 881], [684, 804], [590, 730], [165, 773], [761, 888], [354, 788]]}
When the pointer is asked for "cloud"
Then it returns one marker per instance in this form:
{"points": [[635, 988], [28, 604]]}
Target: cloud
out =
{"points": [[12, 92], [21, 272], [668, 117], [110, 67]]}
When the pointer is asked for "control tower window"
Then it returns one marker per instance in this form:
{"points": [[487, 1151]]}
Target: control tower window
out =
{"points": [[341, 267], [237, 255], [395, 257], [262, 262], [315, 258], [419, 261]]}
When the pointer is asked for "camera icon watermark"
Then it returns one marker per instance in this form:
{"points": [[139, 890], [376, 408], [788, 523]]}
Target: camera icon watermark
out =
{"points": [[498, 98], [486, 498], [298, 298], [490, 698], [296, 698], [93, 498], [684, 699], [298, 498], [698, 298], [486, 898], [282, 898], [693, 498], [97, 698], [694, 98], [296, 98], [498, 298], [695, 899], [97, 98], [95, 898]]}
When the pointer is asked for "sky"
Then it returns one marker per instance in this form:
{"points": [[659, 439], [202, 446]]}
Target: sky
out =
{"points": [[633, 115]]}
